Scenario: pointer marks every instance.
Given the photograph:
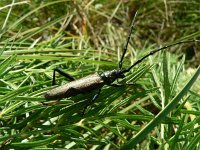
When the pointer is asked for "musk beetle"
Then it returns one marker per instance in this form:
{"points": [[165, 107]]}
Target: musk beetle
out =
{"points": [[97, 80]]}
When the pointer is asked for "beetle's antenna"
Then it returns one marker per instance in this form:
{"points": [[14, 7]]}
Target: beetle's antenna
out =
{"points": [[157, 50], [128, 39]]}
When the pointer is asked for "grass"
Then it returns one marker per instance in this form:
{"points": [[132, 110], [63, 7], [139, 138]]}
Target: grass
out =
{"points": [[161, 111]]}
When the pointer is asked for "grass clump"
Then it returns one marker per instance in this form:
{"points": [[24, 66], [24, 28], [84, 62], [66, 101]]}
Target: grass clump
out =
{"points": [[160, 111]]}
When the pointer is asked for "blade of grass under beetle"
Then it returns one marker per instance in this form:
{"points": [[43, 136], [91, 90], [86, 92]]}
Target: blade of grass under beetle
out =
{"points": [[99, 126], [160, 116]]}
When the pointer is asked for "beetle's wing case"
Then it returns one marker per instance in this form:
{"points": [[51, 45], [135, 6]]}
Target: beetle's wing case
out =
{"points": [[82, 85]]}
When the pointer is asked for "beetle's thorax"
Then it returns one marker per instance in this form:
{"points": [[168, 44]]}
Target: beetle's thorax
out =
{"points": [[110, 76]]}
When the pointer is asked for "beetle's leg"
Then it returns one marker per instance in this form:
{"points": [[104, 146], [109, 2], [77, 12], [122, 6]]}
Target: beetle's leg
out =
{"points": [[91, 101], [60, 71]]}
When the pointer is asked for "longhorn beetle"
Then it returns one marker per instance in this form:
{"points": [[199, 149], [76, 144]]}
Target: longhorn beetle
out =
{"points": [[97, 80]]}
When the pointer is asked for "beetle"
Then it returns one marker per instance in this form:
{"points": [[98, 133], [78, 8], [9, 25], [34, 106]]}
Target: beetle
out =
{"points": [[97, 80]]}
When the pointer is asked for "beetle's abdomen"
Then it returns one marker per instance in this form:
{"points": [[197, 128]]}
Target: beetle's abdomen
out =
{"points": [[82, 85]]}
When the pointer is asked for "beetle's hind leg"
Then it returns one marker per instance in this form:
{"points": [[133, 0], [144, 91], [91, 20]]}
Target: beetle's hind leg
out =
{"points": [[91, 101], [61, 72]]}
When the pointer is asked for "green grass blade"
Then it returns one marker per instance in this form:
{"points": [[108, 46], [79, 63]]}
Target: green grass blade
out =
{"points": [[6, 63], [177, 75], [13, 94], [33, 11], [37, 143], [166, 79], [193, 142], [150, 126]]}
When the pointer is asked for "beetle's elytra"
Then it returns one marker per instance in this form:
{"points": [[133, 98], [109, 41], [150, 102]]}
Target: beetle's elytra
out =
{"points": [[84, 85]]}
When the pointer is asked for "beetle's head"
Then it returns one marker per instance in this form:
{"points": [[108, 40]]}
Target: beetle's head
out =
{"points": [[112, 75]]}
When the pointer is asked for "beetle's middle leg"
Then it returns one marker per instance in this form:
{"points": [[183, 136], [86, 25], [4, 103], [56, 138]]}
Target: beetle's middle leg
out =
{"points": [[61, 72], [91, 101]]}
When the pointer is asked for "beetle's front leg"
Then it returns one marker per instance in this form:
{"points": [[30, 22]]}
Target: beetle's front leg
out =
{"points": [[61, 72]]}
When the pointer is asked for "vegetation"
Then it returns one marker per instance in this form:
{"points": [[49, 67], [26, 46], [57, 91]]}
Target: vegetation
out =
{"points": [[160, 111]]}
